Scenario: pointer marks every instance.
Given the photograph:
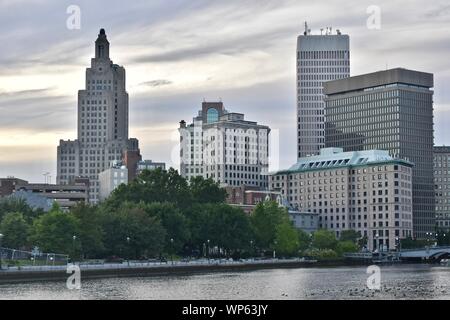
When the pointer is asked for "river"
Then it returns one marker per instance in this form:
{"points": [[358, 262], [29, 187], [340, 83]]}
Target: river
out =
{"points": [[397, 282]]}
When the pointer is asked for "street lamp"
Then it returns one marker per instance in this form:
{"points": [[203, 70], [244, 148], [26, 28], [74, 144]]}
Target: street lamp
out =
{"points": [[128, 247], [251, 247], [1, 252], [208, 250], [377, 237], [74, 238], [171, 249], [274, 249]]}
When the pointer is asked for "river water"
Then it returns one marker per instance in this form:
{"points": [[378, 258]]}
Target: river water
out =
{"points": [[397, 282]]}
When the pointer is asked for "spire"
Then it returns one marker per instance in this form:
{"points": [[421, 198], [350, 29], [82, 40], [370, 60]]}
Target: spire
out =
{"points": [[102, 46]]}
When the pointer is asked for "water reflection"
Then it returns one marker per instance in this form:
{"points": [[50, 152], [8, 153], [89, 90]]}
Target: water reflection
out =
{"points": [[398, 282]]}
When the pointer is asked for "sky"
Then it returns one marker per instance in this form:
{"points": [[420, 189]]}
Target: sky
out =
{"points": [[179, 52]]}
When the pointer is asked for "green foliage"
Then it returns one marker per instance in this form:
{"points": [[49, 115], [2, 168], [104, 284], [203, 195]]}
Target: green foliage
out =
{"points": [[206, 191], [173, 221], [304, 239], [287, 239], [153, 186], [15, 230], [225, 226], [146, 234], [410, 243], [265, 219], [9, 205], [324, 239], [346, 247], [350, 235], [322, 254], [53, 231], [89, 240]]}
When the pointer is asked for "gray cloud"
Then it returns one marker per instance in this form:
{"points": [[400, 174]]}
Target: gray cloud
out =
{"points": [[35, 41], [156, 83]]}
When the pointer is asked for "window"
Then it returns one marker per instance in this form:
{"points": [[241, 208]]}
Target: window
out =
{"points": [[212, 115]]}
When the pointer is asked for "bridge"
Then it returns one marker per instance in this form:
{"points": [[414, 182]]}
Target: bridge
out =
{"points": [[429, 253]]}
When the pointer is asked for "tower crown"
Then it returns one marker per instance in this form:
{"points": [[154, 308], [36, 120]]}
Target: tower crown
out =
{"points": [[102, 46]]}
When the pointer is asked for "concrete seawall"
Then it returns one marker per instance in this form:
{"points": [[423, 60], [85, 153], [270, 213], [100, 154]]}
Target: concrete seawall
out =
{"points": [[90, 272]]}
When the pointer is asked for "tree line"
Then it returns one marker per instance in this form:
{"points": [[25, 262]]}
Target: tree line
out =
{"points": [[159, 214]]}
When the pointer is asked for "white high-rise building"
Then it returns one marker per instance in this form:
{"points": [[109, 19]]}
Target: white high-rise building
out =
{"points": [[320, 58], [223, 146], [102, 123]]}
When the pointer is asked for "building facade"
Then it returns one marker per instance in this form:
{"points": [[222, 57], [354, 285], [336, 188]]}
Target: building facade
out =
{"points": [[102, 123], [65, 195], [111, 178], [8, 185], [320, 58], [366, 191], [389, 110], [150, 165], [225, 147], [442, 187]]}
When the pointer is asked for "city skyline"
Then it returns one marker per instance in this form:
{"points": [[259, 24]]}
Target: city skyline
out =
{"points": [[38, 84]]}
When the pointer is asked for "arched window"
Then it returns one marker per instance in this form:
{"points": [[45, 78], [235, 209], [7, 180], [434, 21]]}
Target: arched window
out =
{"points": [[212, 115]]}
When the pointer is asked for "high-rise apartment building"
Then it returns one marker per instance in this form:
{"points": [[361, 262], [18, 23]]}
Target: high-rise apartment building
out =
{"points": [[225, 147], [388, 110], [366, 191], [320, 58], [442, 187], [102, 123]]}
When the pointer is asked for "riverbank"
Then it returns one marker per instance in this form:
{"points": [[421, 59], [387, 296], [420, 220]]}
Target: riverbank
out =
{"points": [[57, 273]]}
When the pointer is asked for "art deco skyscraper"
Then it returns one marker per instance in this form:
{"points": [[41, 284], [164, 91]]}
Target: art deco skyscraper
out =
{"points": [[102, 122], [320, 58]]}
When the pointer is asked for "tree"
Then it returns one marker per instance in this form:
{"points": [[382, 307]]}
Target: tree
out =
{"points": [[206, 191], [153, 186], [224, 226], [265, 219], [304, 239], [174, 222], [131, 233], [350, 235], [9, 205], [53, 231], [89, 239], [324, 239], [15, 230], [346, 247], [287, 239]]}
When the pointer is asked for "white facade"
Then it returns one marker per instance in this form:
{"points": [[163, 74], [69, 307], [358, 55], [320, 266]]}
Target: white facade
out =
{"points": [[110, 179], [225, 147], [365, 191], [320, 58], [102, 123]]}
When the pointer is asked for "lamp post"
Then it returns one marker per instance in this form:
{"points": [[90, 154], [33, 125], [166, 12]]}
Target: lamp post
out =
{"points": [[251, 247], [1, 252], [74, 238], [377, 237], [128, 249], [171, 249], [208, 250], [274, 249]]}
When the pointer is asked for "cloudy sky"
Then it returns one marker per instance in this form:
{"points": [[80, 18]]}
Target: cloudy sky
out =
{"points": [[178, 52]]}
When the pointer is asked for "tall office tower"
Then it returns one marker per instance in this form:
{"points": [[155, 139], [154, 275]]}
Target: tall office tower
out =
{"points": [[102, 123], [366, 191], [320, 58], [389, 110], [442, 187], [223, 146]]}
